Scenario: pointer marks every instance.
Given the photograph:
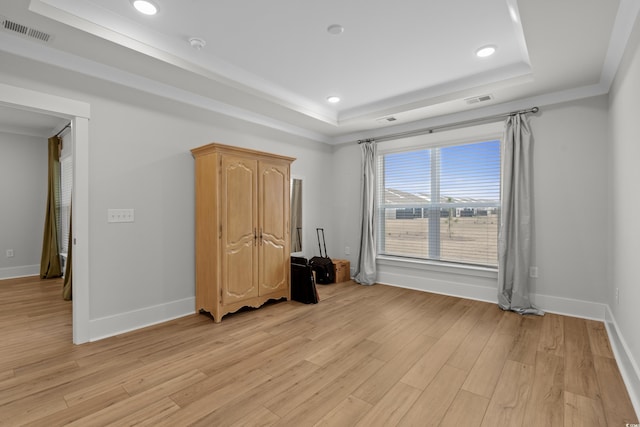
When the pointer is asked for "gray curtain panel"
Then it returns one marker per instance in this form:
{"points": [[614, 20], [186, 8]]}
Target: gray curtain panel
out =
{"points": [[514, 238], [296, 215], [366, 266]]}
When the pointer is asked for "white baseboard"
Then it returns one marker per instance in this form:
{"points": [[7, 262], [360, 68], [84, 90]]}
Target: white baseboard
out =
{"points": [[109, 326], [548, 303], [569, 306], [438, 286], [626, 363], [21, 271]]}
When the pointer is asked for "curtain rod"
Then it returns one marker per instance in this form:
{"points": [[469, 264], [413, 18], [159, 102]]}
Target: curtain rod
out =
{"points": [[447, 126], [67, 126]]}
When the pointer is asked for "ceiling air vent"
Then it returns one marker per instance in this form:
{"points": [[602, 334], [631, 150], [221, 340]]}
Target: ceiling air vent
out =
{"points": [[387, 119], [477, 99], [23, 30]]}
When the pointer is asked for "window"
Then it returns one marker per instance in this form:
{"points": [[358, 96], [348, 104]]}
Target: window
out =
{"points": [[66, 181], [64, 214], [441, 203]]}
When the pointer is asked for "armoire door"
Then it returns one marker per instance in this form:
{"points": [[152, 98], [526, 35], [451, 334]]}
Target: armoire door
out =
{"points": [[239, 219], [274, 241]]}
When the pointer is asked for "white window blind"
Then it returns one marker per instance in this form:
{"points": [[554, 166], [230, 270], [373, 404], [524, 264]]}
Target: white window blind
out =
{"points": [[66, 180], [441, 203]]}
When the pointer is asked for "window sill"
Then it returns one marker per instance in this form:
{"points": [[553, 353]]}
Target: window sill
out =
{"points": [[439, 267]]}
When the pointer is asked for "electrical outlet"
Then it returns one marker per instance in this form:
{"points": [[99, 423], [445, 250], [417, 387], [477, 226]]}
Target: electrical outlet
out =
{"points": [[9, 253], [347, 250], [533, 272], [617, 296]]}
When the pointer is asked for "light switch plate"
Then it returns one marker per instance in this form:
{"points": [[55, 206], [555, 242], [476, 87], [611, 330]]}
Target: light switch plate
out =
{"points": [[120, 215]]}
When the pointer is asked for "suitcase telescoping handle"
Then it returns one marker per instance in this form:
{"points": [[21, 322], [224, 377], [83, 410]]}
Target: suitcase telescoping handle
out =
{"points": [[324, 242]]}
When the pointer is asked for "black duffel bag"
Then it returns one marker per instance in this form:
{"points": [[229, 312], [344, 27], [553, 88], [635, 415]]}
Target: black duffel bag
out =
{"points": [[322, 265]]}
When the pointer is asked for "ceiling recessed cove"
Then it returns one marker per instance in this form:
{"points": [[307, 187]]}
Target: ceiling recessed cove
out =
{"points": [[145, 7]]}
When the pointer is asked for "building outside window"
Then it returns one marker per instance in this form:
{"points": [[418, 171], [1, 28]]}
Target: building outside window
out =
{"points": [[440, 203]]}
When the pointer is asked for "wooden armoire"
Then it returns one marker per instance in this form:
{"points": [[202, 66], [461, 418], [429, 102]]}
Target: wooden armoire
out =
{"points": [[242, 228]]}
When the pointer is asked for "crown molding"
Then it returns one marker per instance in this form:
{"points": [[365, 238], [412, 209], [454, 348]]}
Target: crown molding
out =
{"points": [[45, 54], [625, 20]]}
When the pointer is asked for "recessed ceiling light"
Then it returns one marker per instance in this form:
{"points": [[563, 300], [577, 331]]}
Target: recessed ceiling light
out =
{"points": [[333, 99], [145, 6], [485, 51], [335, 29]]}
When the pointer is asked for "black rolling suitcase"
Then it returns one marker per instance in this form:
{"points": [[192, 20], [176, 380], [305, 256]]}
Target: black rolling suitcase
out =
{"points": [[303, 288], [322, 265]]}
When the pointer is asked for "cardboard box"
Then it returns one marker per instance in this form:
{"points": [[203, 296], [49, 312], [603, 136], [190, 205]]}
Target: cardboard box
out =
{"points": [[342, 270]]}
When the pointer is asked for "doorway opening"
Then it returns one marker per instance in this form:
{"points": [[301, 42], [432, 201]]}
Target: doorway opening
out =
{"points": [[78, 114]]}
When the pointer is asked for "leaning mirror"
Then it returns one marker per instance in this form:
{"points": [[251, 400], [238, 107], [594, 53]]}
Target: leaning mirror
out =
{"points": [[296, 215]]}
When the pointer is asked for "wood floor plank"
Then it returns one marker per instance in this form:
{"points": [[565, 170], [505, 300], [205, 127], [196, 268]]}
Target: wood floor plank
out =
{"points": [[287, 401], [508, 403], [526, 342], [330, 396], [582, 411], [552, 335], [262, 417], [599, 339], [433, 403], [365, 356], [253, 400], [484, 375], [86, 408], [149, 415], [346, 339], [136, 404], [346, 414], [388, 375], [546, 402], [213, 399], [580, 375], [427, 367], [391, 407], [8, 374], [615, 400], [403, 334], [30, 408], [467, 409], [467, 353], [510, 323]]}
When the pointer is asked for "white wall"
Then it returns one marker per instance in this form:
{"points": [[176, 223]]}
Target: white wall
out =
{"points": [[624, 208], [570, 176], [570, 187], [23, 190], [143, 272], [140, 158]]}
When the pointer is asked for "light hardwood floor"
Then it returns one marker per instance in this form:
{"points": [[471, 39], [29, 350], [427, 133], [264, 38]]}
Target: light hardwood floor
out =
{"points": [[363, 356]]}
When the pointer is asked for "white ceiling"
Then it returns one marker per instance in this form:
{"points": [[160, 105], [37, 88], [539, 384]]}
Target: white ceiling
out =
{"points": [[274, 63], [24, 122]]}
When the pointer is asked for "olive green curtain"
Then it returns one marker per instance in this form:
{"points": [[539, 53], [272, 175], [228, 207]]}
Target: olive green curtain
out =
{"points": [[66, 288], [50, 261]]}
